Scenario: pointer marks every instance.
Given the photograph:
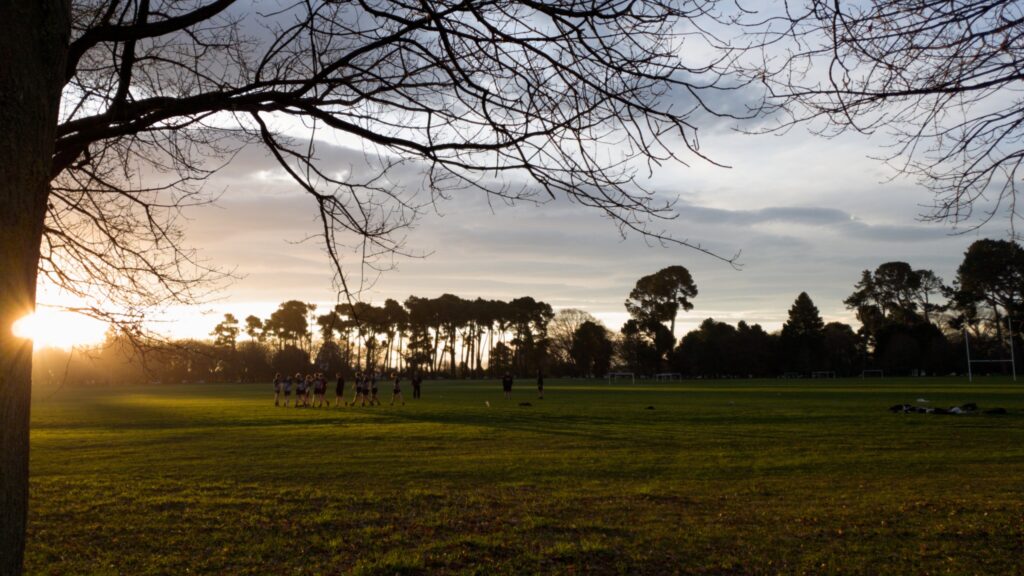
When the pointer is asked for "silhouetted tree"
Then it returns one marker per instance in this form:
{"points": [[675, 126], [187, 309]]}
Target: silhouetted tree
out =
{"points": [[329, 359], [894, 293], [756, 351], [709, 351], [254, 362], [288, 324], [636, 351], [843, 351], [989, 286], [909, 349], [591, 349], [562, 335], [226, 332], [658, 297], [290, 359], [254, 329], [802, 338], [529, 322]]}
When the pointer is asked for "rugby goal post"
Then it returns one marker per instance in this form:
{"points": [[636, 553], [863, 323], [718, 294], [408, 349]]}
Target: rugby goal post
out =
{"points": [[615, 375], [668, 376], [1012, 361], [823, 374]]}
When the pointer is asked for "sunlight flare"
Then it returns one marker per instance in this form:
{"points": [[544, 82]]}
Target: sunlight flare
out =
{"points": [[48, 328]]}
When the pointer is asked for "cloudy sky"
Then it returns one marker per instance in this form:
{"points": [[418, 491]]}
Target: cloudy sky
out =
{"points": [[807, 214]]}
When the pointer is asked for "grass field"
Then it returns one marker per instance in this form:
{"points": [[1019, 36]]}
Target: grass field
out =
{"points": [[732, 477]]}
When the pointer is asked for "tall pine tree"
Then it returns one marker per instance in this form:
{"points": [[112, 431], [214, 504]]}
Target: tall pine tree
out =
{"points": [[803, 341]]}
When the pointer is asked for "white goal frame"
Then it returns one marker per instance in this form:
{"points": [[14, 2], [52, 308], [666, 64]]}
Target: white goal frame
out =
{"points": [[612, 375], [1012, 361], [668, 376], [823, 374], [872, 374]]}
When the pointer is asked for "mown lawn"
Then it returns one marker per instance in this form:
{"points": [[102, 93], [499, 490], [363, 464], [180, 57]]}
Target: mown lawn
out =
{"points": [[735, 477]]}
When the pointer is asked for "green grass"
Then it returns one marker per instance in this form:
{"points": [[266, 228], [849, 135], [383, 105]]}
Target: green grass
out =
{"points": [[733, 477]]}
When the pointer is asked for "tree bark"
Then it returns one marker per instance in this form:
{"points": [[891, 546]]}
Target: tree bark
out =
{"points": [[32, 53]]}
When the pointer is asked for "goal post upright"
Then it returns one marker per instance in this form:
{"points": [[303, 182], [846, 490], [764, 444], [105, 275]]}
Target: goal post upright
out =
{"points": [[967, 346], [1009, 335], [1012, 360]]}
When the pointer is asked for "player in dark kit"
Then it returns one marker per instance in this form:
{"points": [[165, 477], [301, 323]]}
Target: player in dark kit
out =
{"points": [[286, 386], [339, 391], [360, 390], [319, 390], [540, 385], [417, 380], [506, 385], [300, 390], [374, 399], [396, 392]]}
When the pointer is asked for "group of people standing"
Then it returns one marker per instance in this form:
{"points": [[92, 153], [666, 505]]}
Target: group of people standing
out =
{"points": [[311, 390]]}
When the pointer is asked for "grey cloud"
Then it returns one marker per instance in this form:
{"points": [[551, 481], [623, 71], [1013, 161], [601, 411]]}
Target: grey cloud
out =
{"points": [[834, 219]]}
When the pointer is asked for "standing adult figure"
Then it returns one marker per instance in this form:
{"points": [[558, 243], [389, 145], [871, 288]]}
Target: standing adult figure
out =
{"points": [[506, 385], [396, 391], [417, 380], [339, 390], [277, 389]]}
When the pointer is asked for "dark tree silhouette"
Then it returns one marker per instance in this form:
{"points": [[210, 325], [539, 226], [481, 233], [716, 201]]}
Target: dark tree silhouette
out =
{"points": [[895, 293], [658, 297], [843, 350], [254, 328], [802, 337], [989, 286], [226, 332], [709, 351], [288, 324], [756, 351], [591, 349], [562, 334]]}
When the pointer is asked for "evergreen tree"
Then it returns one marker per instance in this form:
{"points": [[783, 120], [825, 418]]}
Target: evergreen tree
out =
{"points": [[803, 336]]}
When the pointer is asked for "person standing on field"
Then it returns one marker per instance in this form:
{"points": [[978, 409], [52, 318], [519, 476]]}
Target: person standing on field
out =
{"points": [[319, 390], [506, 385], [360, 389], [374, 398], [540, 385], [396, 392], [277, 389], [339, 390], [417, 381], [300, 390]]}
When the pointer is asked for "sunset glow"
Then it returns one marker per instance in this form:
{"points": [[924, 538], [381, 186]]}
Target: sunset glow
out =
{"points": [[49, 328]]}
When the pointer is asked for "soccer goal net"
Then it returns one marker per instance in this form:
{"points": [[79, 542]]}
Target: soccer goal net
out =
{"points": [[614, 376], [872, 374], [823, 374], [668, 376]]}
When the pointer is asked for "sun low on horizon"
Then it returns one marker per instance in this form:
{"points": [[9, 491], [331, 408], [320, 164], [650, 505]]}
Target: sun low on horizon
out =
{"points": [[57, 328]]}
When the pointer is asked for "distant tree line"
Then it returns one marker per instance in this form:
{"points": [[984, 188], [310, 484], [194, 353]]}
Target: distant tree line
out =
{"points": [[911, 323]]}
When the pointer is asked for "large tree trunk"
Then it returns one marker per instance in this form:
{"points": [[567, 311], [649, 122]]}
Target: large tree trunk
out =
{"points": [[32, 49], [451, 352]]}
